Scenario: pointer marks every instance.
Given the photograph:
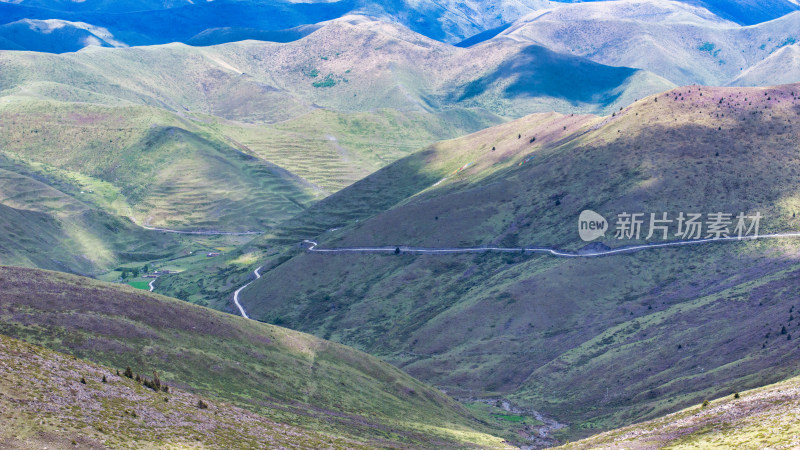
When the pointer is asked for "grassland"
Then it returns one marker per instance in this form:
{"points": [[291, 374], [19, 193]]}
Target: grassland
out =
{"points": [[595, 343], [236, 137], [151, 165], [286, 376], [56, 401], [758, 418], [684, 45]]}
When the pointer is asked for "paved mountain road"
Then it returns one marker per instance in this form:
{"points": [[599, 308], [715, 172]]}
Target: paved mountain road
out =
{"points": [[236, 294], [588, 253]]}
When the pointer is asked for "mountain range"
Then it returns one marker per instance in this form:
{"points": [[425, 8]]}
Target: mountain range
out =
{"points": [[390, 193], [58, 26]]}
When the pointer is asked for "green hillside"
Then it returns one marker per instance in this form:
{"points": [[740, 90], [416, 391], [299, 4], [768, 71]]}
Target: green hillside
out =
{"points": [[54, 400], [286, 376], [242, 137], [48, 222], [683, 44], [759, 418], [596, 342]]}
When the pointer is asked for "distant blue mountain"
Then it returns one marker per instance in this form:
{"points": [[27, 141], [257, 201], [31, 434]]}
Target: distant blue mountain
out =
{"points": [[743, 12], [149, 22]]}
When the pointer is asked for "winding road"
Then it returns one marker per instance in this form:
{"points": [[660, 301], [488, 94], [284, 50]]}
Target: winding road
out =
{"points": [[586, 253], [236, 294], [151, 284], [205, 233]]}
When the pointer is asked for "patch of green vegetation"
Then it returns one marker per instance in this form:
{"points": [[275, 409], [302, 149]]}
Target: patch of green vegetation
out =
{"points": [[710, 48], [328, 81], [511, 417], [145, 285], [706, 47]]}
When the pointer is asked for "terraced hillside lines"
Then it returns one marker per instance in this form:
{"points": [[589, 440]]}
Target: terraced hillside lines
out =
{"points": [[48, 223], [54, 400], [159, 168], [333, 150], [286, 376], [594, 342], [764, 417]]}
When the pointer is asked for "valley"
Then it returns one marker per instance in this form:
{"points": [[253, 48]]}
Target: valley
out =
{"points": [[431, 224]]}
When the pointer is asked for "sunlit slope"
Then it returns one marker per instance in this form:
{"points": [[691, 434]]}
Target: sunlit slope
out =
{"points": [[151, 165], [284, 375], [765, 417], [49, 222], [783, 66], [683, 44], [54, 400], [594, 342], [352, 64]]}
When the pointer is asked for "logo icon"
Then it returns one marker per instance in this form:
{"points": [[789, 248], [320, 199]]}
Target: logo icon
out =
{"points": [[591, 225]]}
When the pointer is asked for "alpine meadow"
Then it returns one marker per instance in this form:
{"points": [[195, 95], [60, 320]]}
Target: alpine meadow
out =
{"points": [[392, 224]]}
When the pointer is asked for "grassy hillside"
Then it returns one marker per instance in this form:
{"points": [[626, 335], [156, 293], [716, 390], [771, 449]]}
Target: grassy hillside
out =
{"points": [[594, 342], [55, 220], [683, 44], [782, 66], [241, 137], [352, 64], [286, 376], [54, 400], [151, 165], [759, 418]]}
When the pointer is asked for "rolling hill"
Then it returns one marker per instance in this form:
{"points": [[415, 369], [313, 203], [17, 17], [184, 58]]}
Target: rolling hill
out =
{"points": [[133, 23], [782, 66], [240, 137], [684, 44], [288, 377], [54, 400], [597, 342], [764, 417]]}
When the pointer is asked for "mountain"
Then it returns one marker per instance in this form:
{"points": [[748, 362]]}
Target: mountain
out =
{"points": [[280, 125], [149, 164], [684, 44], [54, 36], [241, 137], [748, 12], [149, 23], [155, 22], [783, 66], [595, 342], [763, 417], [274, 373], [93, 406]]}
